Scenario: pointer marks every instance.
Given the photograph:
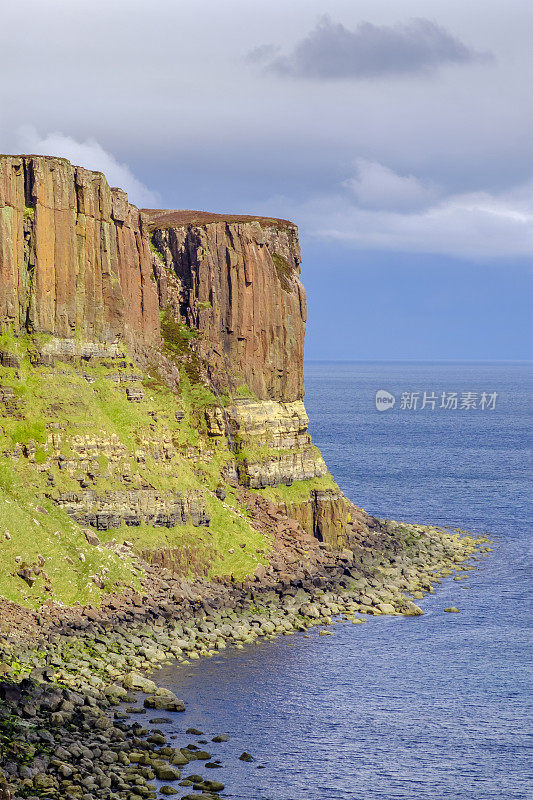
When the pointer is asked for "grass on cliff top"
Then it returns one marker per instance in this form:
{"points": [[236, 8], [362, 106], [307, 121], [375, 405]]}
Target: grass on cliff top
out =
{"points": [[166, 218]]}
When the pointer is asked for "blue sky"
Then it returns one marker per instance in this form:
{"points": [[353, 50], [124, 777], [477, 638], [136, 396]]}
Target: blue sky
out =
{"points": [[397, 135], [394, 306]]}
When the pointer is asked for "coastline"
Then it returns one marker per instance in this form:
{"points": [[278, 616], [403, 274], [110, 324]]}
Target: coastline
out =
{"points": [[61, 732]]}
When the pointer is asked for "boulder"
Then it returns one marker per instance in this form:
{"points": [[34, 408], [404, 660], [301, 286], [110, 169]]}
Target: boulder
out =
{"points": [[91, 537], [139, 682], [164, 700], [167, 773]]}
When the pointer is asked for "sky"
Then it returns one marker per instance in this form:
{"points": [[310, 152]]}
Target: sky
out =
{"points": [[397, 134]]}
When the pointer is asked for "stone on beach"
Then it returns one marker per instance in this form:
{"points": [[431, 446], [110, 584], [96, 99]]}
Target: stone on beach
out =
{"points": [[164, 700], [135, 681]]}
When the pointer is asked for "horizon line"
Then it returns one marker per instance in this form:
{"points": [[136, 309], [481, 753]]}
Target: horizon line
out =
{"points": [[418, 361]]}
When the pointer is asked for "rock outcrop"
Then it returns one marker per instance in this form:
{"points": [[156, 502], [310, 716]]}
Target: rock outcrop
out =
{"points": [[235, 280], [74, 258], [325, 515], [113, 509], [272, 443], [77, 261], [238, 286]]}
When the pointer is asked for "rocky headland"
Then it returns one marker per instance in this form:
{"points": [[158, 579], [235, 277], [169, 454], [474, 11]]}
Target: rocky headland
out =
{"points": [[160, 497]]}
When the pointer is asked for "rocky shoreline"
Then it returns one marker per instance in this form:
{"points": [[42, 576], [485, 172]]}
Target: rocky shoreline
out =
{"points": [[64, 732]]}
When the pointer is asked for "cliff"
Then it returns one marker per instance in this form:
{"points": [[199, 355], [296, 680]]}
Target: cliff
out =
{"points": [[75, 261], [151, 384], [238, 286]]}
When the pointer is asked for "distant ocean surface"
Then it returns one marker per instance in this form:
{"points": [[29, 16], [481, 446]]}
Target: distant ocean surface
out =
{"points": [[436, 707]]}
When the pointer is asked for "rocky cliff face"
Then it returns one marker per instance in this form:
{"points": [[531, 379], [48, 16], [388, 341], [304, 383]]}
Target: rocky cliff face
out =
{"points": [[272, 443], [235, 280], [74, 259], [238, 286], [150, 363]]}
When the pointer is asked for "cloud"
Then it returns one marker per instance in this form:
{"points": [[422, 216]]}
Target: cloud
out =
{"points": [[332, 51], [262, 53], [466, 225], [376, 186], [89, 154]]}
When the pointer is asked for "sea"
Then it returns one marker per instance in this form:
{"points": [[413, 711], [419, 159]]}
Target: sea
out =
{"points": [[436, 707]]}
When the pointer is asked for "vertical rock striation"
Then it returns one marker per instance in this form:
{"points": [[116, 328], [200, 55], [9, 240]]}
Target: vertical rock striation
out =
{"points": [[238, 286], [74, 260], [236, 281]]}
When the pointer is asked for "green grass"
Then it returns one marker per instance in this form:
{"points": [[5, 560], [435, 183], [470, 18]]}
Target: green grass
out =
{"points": [[178, 339], [54, 537], [299, 491], [69, 400], [60, 401], [243, 391], [176, 335], [24, 344], [230, 529], [210, 545], [284, 271], [155, 249], [25, 431]]}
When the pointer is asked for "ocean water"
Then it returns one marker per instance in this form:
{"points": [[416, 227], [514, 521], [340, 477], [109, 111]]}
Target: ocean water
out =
{"points": [[436, 707]]}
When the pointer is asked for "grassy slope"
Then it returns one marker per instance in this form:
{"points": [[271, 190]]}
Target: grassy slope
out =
{"points": [[53, 536], [97, 407], [68, 400]]}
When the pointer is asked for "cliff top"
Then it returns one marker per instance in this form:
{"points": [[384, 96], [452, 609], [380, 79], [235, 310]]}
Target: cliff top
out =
{"points": [[167, 218], [35, 155], [60, 159]]}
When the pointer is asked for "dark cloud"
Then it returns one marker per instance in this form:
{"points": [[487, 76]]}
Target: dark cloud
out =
{"points": [[333, 51], [265, 52]]}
